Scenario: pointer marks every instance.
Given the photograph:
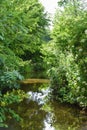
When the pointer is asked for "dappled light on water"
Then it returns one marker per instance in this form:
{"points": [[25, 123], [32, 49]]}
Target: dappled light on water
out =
{"points": [[33, 81], [40, 113]]}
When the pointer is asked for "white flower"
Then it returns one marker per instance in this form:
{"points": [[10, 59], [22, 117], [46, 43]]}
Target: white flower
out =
{"points": [[86, 31], [82, 40], [80, 50]]}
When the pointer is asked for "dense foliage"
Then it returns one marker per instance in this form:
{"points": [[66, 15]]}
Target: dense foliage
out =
{"points": [[22, 25], [66, 55], [23, 38]]}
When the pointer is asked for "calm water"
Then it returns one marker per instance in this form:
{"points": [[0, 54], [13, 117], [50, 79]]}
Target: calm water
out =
{"points": [[40, 113]]}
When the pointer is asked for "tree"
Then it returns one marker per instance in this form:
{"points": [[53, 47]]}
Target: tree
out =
{"points": [[22, 24], [67, 58]]}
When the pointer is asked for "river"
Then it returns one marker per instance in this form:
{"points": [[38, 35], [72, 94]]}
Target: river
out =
{"points": [[39, 112]]}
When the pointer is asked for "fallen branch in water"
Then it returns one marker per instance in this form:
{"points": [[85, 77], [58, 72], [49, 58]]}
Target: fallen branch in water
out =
{"points": [[32, 81]]}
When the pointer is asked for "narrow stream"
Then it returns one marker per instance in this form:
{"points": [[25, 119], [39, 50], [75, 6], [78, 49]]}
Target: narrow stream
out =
{"points": [[41, 113]]}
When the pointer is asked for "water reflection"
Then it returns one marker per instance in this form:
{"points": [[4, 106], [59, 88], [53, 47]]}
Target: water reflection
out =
{"points": [[39, 113]]}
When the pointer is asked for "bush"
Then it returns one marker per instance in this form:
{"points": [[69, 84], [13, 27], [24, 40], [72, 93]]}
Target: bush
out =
{"points": [[15, 96], [66, 57]]}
